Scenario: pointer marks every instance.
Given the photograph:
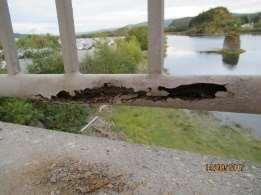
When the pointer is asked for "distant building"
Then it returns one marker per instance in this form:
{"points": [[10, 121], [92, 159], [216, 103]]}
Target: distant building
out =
{"points": [[84, 44], [248, 25]]}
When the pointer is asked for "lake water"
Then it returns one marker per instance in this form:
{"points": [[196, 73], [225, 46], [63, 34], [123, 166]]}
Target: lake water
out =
{"points": [[184, 58]]}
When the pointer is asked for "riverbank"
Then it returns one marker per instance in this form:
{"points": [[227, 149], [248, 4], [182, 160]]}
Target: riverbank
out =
{"points": [[193, 131], [185, 33]]}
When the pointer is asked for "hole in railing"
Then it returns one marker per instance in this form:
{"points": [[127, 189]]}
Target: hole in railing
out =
{"points": [[111, 36], [37, 39], [213, 43]]}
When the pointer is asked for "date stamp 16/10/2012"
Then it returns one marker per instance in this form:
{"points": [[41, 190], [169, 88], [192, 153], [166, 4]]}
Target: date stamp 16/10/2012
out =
{"points": [[221, 167]]}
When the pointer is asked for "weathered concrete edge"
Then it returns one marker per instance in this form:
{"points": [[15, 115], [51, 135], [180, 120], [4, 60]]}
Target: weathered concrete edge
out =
{"points": [[240, 93], [162, 170]]}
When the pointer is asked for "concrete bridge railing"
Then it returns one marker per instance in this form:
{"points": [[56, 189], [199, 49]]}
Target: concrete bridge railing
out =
{"points": [[209, 92]]}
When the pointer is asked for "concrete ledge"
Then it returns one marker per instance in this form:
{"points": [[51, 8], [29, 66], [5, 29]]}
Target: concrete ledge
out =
{"points": [[161, 171], [214, 93]]}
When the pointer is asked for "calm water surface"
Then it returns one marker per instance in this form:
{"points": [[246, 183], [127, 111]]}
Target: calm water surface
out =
{"points": [[184, 58]]}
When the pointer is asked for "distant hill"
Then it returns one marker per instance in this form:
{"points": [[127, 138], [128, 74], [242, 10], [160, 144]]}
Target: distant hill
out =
{"points": [[18, 35], [180, 24], [183, 24], [167, 22], [252, 17]]}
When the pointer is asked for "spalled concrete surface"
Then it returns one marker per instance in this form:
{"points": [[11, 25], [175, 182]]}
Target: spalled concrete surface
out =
{"points": [[157, 170]]}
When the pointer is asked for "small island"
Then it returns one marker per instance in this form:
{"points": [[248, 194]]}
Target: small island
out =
{"points": [[219, 21]]}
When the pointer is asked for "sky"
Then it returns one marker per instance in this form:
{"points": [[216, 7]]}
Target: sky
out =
{"points": [[39, 16]]}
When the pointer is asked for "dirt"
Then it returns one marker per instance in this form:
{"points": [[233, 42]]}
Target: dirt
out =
{"points": [[68, 176]]}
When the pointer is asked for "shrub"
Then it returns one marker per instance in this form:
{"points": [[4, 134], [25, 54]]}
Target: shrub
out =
{"points": [[123, 57], [141, 34], [52, 64], [38, 42], [130, 48], [37, 53], [18, 111], [258, 25], [3, 71], [62, 116]]}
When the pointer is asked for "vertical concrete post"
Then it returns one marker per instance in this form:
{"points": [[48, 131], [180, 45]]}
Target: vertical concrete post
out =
{"points": [[67, 35], [156, 35], [7, 39]]}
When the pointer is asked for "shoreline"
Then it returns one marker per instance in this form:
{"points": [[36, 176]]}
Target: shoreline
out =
{"points": [[209, 35]]}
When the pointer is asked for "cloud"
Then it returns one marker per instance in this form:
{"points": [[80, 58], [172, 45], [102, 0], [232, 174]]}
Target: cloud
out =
{"points": [[31, 16]]}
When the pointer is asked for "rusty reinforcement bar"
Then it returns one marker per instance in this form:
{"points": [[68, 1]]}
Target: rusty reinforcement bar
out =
{"points": [[219, 93]]}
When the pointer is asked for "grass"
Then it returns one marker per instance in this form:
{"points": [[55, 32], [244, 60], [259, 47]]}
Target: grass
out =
{"points": [[197, 132], [176, 129]]}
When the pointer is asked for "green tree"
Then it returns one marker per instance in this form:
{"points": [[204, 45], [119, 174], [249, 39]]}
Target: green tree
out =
{"points": [[38, 42], [257, 19], [52, 64], [244, 20], [232, 26], [258, 25], [213, 21], [122, 57], [141, 34]]}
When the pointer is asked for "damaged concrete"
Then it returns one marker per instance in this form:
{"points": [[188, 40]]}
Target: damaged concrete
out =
{"points": [[197, 91], [110, 94], [213, 93], [105, 94]]}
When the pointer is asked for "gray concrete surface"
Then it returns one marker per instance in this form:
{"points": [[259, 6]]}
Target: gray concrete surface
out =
{"points": [[157, 170]]}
